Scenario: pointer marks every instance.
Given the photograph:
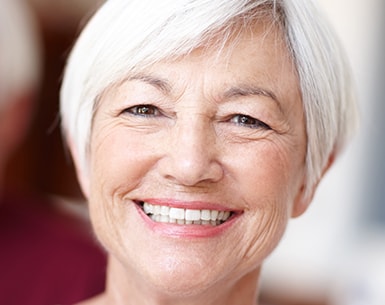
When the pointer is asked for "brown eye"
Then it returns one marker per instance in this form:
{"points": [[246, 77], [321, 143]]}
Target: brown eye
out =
{"points": [[143, 110], [248, 121]]}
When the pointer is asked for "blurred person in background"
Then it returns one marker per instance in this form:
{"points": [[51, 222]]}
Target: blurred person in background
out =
{"points": [[48, 256]]}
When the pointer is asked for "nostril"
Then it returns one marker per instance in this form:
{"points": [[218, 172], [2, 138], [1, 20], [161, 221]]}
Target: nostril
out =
{"points": [[196, 174], [191, 154]]}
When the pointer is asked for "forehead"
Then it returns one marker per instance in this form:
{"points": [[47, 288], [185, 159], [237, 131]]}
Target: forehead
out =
{"points": [[248, 58], [256, 55]]}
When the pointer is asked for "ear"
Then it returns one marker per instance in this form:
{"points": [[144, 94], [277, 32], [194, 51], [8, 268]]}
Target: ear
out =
{"points": [[303, 200], [81, 171]]}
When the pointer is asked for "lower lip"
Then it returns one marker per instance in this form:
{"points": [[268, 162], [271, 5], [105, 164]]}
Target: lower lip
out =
{"points": [[186, 231]]}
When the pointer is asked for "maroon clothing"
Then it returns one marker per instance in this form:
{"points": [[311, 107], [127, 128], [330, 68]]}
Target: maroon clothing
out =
{"points": [[46, 257]]}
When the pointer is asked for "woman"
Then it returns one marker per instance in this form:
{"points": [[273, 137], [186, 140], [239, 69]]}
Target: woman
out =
{"points": [[198, 128]]}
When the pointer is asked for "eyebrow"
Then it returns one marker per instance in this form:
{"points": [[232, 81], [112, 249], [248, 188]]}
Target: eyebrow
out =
{"points": [[157, 82], [234, 92], [250, 91]]}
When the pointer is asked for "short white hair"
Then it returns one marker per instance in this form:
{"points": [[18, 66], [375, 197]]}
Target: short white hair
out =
{"points": [[20, 50], [126, 36]]}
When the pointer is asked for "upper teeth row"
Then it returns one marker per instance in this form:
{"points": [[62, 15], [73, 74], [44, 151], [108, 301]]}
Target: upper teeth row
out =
{"points": [[186, 214]]}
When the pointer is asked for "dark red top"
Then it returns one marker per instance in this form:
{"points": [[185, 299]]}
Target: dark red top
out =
{"points": [[46, 256]]}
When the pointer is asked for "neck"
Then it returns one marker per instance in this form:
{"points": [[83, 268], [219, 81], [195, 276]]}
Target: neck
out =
{"points": [[124, 289]]}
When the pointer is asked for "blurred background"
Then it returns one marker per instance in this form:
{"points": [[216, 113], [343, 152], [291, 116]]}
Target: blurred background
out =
{"points": [[335, 253], [49, 254], [42, 164]]}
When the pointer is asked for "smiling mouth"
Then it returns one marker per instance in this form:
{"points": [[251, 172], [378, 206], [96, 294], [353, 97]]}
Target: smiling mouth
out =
{"points": [[180, 216]]}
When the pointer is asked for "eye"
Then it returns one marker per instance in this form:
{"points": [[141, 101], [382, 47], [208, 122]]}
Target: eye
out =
{"points": [[143, 110], [248, 121]]}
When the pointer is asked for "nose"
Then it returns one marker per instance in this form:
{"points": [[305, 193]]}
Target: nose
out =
{"points": [[192, 155]]}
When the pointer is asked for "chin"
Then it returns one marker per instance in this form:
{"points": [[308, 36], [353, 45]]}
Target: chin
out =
{"points": [[181, 278]]}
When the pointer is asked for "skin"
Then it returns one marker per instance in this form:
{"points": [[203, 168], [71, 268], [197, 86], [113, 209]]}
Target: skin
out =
{"points": [[224, 132]]}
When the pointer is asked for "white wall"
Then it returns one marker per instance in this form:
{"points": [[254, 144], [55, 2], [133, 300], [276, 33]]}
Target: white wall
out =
{"points": [[332, 238]]}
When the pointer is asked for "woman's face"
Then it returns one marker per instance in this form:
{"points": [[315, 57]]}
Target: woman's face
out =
{"points": [[197, 164]]}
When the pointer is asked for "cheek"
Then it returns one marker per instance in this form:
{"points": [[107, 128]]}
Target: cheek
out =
{"points": [[118, 166], [264, 230], [118, 161], [268, 172], [268, 182]]}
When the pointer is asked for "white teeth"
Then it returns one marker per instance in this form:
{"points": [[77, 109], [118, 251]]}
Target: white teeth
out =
{"points": [[214, 215], [156, 209], [193, 215], [166, 214], [205, 215], [164, 211], [220, 215], [226, 215], [176, 213], [164, 218]]}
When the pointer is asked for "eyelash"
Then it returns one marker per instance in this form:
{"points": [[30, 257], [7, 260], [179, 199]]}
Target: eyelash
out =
{"points": [[144, 110], [248, 121], [147, 110]]}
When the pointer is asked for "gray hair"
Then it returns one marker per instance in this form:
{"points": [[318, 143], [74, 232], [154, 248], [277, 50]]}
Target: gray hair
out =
{"points": [[127, 36]]}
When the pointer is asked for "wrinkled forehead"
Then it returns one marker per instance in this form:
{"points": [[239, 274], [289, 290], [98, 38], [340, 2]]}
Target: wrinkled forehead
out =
{"points": [[254, 59], [221, 45]]}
